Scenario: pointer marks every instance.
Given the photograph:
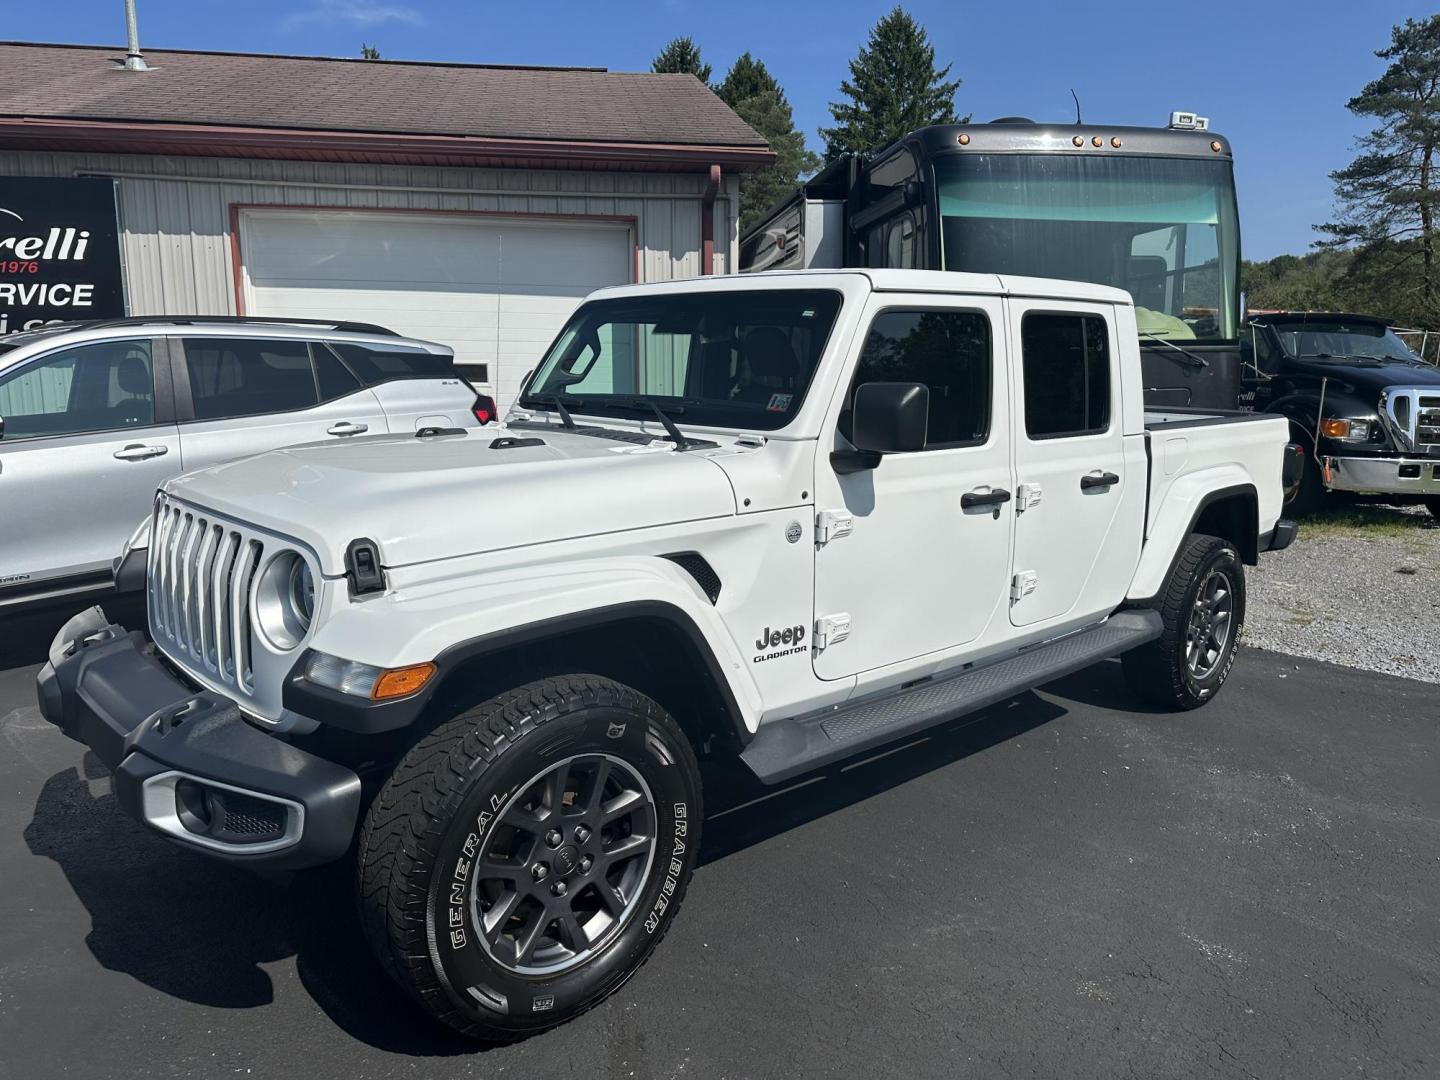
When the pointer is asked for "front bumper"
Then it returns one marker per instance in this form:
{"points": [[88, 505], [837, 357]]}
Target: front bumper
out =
{"points": [[1387, 475], [187, 763]]}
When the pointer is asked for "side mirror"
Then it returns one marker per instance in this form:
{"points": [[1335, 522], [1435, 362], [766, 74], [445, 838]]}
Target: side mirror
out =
{"points": [[888, 418]]}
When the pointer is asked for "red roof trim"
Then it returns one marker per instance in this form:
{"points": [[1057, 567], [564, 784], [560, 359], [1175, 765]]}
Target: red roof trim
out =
{"points": [[206, 140]]}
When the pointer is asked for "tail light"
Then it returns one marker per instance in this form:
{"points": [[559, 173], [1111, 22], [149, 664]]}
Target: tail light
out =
{"points": [[484, 409]]}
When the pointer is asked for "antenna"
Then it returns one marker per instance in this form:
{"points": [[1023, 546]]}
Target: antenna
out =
{"points": [[134, 59], [1077, 105]]}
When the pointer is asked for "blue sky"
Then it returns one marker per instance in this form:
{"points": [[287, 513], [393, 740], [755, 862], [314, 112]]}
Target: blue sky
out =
{"points": [[1273, 75]]}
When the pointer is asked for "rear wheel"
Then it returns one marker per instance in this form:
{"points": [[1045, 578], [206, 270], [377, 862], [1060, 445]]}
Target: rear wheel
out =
{"points": [[525, 858], [1203, 611]]}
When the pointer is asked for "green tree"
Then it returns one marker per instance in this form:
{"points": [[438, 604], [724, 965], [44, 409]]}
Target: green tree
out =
{"points": [[682, 56], [894, 88], [753, 93], [1387, 196], [369, 52]]}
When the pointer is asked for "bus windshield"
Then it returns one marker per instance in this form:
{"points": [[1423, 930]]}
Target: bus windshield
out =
{"points": [[1163, 229]]}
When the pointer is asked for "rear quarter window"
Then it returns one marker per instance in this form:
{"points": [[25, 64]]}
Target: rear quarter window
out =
{"points": [[375, 364]]}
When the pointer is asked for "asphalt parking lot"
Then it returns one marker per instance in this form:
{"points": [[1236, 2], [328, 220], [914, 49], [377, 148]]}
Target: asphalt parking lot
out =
{"points": [[1067, 885]]}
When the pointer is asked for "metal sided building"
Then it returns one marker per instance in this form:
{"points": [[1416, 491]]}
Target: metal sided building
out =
{"points": [[470, 205]]}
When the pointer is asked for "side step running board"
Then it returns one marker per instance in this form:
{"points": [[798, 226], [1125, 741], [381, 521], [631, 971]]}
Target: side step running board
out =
{"points": [[783, 749]]}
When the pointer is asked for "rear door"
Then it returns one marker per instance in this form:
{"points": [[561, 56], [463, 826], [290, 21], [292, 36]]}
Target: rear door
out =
{"points": [[415, 387], [1077, 509], [920, 572], [88, 438], [237, 396]]}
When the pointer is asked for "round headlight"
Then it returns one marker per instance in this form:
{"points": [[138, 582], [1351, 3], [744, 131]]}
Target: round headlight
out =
{"points": [[302, 592], [285, 600]]}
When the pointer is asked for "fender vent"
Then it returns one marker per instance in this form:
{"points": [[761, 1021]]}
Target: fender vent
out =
{"points": [[694, 564]]}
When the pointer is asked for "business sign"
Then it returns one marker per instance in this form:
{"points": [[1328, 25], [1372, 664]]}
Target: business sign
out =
{"points": [[59, 251]]}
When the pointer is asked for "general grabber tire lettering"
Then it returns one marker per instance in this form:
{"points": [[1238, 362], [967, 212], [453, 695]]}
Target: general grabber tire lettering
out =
{"points": [[1203, 610], [525, 858]]}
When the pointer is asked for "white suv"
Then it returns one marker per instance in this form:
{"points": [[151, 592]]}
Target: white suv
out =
{"points": [[94, 417]]}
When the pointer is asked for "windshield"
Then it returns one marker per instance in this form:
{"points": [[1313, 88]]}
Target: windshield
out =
{"points": [[1163, 229], [1342, 338], [721, 359]]}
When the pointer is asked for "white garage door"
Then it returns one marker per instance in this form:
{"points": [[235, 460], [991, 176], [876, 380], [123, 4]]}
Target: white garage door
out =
{"points": [[495, 289]]}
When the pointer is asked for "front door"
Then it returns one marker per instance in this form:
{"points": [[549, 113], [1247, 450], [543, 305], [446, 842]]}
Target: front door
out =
{"points": [[918, 571], [87, 441], [1078, 509]]}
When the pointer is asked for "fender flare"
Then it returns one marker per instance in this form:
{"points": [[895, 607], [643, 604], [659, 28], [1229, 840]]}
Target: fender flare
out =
{"points": [[348, 712], [1146, 578]]}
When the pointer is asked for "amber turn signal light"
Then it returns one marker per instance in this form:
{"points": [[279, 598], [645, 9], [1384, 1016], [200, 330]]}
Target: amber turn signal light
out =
{"points": [[398, 682], [1335, 429]]}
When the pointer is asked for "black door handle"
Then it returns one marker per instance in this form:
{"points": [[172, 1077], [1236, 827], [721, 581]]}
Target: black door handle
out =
{"points": [[1104, 480], [993, 497]]}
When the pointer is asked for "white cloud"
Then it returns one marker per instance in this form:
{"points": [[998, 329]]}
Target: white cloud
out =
{"points": [[357, 13]]}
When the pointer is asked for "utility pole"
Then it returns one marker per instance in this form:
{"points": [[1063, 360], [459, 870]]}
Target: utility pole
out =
{"points": [[134, 59]]}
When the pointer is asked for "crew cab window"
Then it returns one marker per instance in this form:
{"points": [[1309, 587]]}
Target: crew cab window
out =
{"points": [[948, 351], [107, 386], [1067, 374], [377, 365], [248, 376]]}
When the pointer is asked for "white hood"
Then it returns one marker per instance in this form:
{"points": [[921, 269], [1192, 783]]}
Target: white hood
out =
{"points": [[439, 497]]}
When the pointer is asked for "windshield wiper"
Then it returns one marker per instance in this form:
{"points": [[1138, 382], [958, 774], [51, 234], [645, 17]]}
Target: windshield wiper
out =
{"points": [[671, 431], [1195, 361], [554, 399]]}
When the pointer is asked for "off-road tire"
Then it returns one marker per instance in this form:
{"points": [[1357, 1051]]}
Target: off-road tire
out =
{"points": [[1160, 671], [431, 818]]}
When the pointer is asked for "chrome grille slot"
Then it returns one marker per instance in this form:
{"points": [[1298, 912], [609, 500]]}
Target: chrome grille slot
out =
{"points": [[1427, 421], [202, 575]]}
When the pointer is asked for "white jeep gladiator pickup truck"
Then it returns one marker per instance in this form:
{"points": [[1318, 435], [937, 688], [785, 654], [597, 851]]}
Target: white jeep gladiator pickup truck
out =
{"points": [[792, 517]]}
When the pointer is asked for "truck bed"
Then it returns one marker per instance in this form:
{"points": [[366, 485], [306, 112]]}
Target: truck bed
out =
{"points": [[1170, 418]]}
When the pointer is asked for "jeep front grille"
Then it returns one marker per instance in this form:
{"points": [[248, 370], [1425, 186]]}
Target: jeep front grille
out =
{"points": [[200, 582]]}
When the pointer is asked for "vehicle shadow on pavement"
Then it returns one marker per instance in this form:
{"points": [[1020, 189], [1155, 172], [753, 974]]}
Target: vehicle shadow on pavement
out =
{"points": [[204, 932], [741, 812]]}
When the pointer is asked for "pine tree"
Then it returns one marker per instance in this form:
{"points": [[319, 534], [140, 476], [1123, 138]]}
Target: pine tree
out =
{"points": [[746, 78], [1389, 195], [682, 56], [894, 88], [753, 93]]}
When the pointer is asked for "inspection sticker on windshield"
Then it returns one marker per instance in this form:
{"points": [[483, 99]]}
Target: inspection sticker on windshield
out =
{"points": [[779, 402]]}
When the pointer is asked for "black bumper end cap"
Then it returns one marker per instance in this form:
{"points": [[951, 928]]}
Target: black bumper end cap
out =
{"points": [[1283, 535]]}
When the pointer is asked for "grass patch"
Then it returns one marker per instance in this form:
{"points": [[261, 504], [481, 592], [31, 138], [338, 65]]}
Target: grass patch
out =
{"points": [[1364, 521]]}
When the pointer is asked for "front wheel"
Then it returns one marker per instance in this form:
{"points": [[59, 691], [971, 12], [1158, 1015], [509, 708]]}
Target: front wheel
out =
{"points": [[1432, 503], [525, 858], [1203, 611]]}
